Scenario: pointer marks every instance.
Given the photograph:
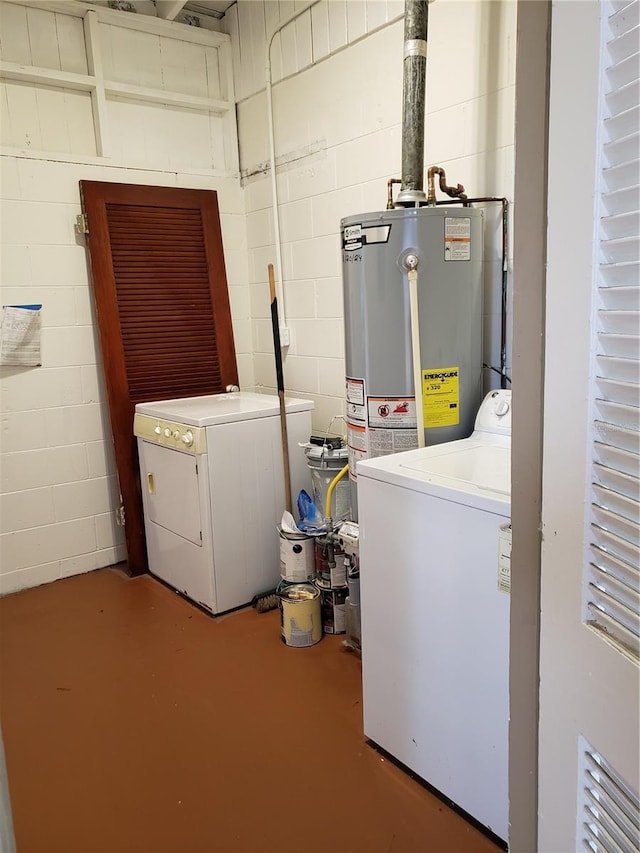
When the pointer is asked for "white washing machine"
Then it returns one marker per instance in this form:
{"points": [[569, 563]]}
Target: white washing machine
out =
{"points": [[435, 554], [213, 491]]}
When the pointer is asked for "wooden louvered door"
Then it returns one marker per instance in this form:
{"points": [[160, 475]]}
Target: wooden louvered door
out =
{"points": [[162, 306]]}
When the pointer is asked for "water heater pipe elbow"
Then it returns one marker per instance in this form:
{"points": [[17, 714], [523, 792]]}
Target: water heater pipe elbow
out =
{"points": [[452, 192]]}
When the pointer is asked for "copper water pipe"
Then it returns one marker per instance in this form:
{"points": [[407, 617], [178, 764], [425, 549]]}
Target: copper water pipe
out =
{"points": [[390, 184], [454, 192]]}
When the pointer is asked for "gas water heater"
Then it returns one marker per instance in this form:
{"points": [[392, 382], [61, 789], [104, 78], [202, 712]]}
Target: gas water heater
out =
{"points": [[395, 341]]}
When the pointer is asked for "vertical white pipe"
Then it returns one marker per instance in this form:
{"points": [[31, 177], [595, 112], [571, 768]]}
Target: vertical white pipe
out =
{"points": [[274, 183], [415, 351], [275, 206]]}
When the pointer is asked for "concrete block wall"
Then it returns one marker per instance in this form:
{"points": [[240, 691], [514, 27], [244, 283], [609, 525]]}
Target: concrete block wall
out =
{"points": [[58, 487], [337, 108], [58, 490], [337, 119]]}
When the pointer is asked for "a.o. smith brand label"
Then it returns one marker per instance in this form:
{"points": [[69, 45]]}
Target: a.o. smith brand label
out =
{"points": [[354, 237]]}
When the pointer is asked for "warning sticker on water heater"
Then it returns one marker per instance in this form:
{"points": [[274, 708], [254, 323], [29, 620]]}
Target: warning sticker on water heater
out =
{"points": [[441, 396], [457, 238], [382, 442], [392, 412], [356, 409], [358, 444]]}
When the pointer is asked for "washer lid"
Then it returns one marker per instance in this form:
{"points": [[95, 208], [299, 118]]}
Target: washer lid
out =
{"points": [[470, 471], [220, 408], [483, 466]]}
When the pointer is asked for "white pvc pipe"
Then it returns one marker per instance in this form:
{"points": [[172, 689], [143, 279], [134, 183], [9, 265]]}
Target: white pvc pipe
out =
{"points": [[415, 351], [272, 162]]}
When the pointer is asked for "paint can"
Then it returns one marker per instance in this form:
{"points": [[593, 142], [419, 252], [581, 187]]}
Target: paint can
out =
{"points": [[300, 616], [324, 463], [297, 557], [330, 563], [333, 606]]}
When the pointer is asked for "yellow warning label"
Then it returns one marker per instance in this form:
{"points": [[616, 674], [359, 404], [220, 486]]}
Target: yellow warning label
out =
{"points": [[441, 396]]}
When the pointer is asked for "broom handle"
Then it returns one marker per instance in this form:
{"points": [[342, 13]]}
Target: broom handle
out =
{"points": [[280, 383]]}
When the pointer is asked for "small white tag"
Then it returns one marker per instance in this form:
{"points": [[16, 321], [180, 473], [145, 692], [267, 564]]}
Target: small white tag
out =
{"points": [[504, 558]]}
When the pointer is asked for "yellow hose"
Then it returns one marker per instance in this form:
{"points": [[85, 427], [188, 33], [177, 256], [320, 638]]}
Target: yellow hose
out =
{"points": [[332, 485]]}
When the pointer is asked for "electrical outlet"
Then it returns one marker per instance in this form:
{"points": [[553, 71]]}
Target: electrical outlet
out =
{"points": [[285, 336]]}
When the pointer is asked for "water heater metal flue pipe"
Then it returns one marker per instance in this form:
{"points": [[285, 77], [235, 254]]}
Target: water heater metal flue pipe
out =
{"points": [[413, 103]]}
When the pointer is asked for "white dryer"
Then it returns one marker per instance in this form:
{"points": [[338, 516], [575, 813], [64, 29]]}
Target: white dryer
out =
{"points": [[435, 551], [213, 491]]}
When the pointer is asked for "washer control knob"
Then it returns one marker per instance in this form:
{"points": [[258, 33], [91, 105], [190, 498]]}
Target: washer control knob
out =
{"points": [[187, 438], [158, 430], [502, 407], [167, 433]]}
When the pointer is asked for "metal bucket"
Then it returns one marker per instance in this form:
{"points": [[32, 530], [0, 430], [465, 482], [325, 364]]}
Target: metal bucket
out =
{"points": [[333, 606], [324, 464], [297, 557], [300, 618], [329, 559]]}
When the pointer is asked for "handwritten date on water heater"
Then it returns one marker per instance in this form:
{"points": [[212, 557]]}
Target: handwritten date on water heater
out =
{"points": [[350, 258]]}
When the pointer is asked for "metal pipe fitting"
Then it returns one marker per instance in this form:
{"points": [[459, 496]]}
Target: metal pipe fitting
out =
{"points": [[454, 192], [390, 183]]}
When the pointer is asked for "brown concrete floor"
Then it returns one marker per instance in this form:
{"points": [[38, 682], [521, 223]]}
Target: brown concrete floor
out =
{"points": [[134, 722]]}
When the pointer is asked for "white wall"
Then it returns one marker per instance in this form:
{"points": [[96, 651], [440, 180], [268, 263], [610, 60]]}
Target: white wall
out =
{"points": [[337, 118], [58, 491]]}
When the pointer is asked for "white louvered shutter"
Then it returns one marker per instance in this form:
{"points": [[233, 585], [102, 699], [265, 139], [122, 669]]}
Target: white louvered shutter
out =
{"points": [[610, 809], [613, 580]]}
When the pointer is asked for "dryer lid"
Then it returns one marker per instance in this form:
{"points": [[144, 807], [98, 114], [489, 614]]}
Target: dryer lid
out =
{"points": [[220, 408]]}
